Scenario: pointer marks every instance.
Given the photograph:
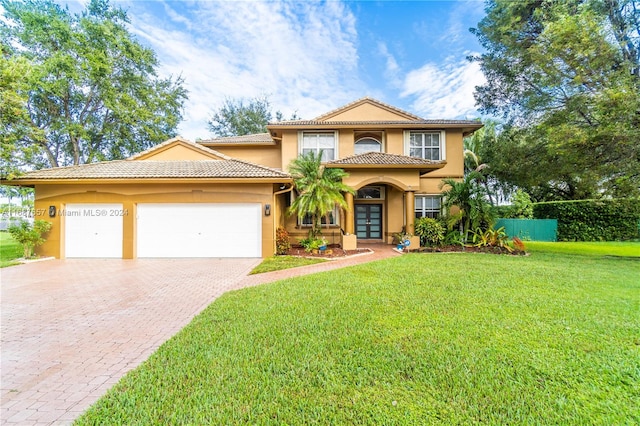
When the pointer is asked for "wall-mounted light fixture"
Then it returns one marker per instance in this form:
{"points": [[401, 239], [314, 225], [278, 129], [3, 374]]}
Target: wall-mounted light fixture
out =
{"points": [[52, 211], [267, 209]]}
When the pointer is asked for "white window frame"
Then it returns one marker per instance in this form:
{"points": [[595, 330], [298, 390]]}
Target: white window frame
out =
{"points": [[367, 138], [442, 146], [423, 210], [301, 134]]}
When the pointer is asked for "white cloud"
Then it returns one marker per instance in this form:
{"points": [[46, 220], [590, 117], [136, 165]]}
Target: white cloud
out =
{"points": [[302, 55], [444, 90], [392, 69]]}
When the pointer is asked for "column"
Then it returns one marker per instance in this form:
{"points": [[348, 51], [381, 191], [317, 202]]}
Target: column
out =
{"points": [[349, 225], [409, 208]]}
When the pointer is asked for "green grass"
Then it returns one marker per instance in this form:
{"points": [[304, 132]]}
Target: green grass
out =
{"points": [[609, 248], [10, 250], [416, 339], [277, 263]]}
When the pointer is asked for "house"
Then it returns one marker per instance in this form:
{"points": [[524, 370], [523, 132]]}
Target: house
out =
{"points": [[225, 197]]}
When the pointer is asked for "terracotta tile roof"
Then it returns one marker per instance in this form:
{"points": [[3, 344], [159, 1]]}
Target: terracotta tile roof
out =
{"points": [[179, 139], [473, 123], [381, 158], [254, 138], [149, 169]]}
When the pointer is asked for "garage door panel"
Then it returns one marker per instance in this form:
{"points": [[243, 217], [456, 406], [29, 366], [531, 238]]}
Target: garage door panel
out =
{"points": [[199, 230], [93, 230]]}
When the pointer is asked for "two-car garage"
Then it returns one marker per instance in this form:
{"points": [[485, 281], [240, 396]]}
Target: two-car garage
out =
{"points": [[166, 230]]}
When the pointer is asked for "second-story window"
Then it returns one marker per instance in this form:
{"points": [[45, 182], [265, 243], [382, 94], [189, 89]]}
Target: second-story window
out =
{"points": [[367, 145], [319, 141], [426, 145]]}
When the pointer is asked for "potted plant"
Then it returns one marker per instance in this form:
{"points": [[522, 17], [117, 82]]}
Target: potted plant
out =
{"points": [[400, 238]]}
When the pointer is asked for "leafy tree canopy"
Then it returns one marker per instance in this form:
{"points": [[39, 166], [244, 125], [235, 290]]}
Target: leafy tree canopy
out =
{"points": [[565, 76], [239, 117], [78, 88]]}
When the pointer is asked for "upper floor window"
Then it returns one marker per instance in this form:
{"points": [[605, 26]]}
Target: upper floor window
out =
{"points": [[319, 141], [426, 145], [367, 145], [428, 206]]}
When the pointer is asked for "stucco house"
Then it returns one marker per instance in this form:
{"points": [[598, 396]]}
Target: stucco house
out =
{"points": [[225, 197]]}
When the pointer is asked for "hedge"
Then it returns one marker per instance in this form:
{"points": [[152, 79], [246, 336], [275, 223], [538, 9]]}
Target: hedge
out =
{"points": [[593, 220]]}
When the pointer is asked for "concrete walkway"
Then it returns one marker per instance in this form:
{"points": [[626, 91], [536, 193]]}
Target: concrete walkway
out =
{"points": [[72, 328]]}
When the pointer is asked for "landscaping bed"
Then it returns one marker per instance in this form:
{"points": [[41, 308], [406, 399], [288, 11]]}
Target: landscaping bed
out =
{"points": [[332, 251], [469, 249]]}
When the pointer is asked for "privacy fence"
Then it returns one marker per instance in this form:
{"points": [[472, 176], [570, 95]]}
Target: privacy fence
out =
{"points": [[530, 229]]}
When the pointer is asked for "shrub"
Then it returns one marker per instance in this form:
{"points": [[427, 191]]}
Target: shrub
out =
{"points": [[30, 236], [491, 238], [454, 238], [430, 231], [311, 244], [283, 244], [518, 244], [593, 220]]}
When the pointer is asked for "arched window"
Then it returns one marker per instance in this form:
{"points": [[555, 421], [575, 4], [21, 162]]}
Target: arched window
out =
{"points": [[367, 145]]}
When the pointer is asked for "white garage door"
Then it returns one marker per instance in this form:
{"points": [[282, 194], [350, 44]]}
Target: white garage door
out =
{"points": [[199, 230], [93, 230]]}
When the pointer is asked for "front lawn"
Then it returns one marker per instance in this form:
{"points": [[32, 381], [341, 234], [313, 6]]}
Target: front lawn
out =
{"points": [[277, 263], [10, 250], [416, 339], [604, 248]]}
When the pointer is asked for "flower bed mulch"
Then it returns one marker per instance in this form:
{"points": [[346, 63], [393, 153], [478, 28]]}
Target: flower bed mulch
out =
{"points": [[333, 251], [469, 249]]}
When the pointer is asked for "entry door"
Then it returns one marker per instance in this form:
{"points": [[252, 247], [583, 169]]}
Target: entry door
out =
{"points": [[369, 221]]}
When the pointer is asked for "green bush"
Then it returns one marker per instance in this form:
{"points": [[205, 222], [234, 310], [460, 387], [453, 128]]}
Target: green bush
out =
{"points": [[430, 231], [593, 220], [29, 235]]}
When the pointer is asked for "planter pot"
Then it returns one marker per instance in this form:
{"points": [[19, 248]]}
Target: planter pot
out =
{"points": [[400, 246], [323, 248]]}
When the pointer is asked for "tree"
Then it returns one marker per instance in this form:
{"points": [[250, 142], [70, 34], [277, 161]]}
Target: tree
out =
{"points": [[470, 196], [566, 78], [240, 117], [319, 190], [80, 87]]}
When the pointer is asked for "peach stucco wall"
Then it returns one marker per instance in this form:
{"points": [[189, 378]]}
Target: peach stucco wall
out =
{"points": [[366, 111], [129, 195], [265, 155]]}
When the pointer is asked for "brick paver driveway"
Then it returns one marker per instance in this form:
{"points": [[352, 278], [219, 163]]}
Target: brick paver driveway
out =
{"points": [[73, 328]]}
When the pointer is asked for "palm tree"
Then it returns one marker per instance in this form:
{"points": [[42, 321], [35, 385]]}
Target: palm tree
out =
{"points": [[470, 197], [319, 189]]}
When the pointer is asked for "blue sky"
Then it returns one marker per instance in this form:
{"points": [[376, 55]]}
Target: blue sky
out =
{"points": [[312, 57]]}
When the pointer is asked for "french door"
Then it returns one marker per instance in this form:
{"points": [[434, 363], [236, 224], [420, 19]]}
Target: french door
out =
{"points": [[368, 221]]}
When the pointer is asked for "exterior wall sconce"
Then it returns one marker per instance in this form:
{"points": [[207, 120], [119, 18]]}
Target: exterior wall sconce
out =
{"points": [[267, 209]]}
